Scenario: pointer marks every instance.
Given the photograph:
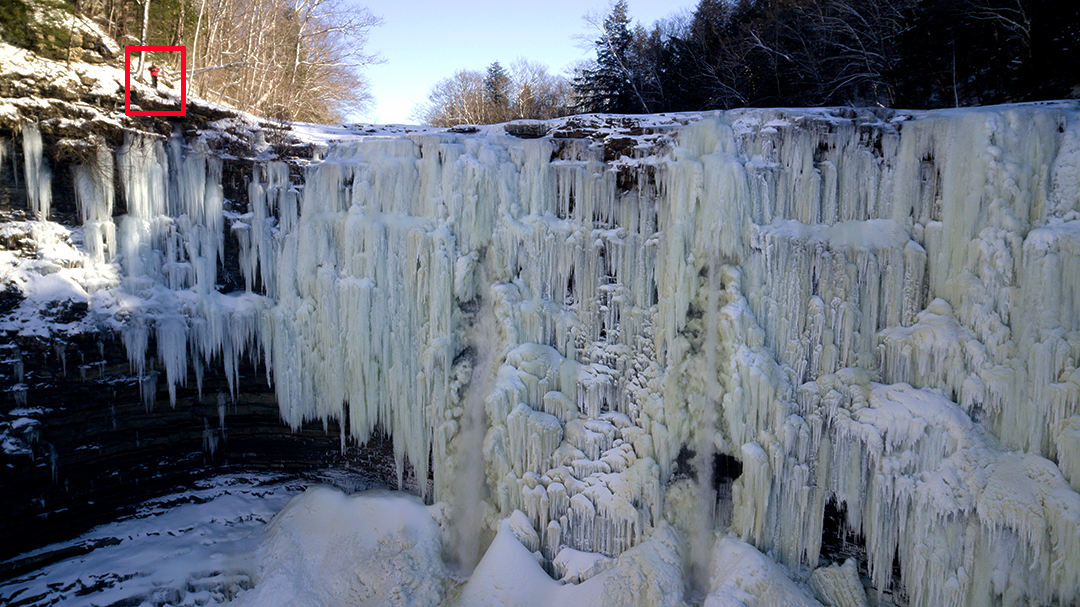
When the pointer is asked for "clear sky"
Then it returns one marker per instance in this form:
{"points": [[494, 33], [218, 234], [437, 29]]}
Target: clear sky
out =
{"points": [[424, 41]]}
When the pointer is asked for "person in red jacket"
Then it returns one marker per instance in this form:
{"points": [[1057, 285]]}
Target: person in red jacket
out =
{"points": [[155, 71]]}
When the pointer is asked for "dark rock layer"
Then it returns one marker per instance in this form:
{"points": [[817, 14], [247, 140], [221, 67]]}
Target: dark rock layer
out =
{"points": [[98, 449]]}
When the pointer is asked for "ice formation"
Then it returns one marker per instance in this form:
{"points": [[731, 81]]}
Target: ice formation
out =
{"points": [[327, 548], [38, 176], [871, 309]]}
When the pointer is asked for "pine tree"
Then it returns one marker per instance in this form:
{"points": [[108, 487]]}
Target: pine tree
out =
{"points": [[496, 83], [611, 86], [496, 93]]}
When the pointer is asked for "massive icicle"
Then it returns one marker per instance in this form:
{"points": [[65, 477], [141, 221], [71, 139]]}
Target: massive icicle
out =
{"points": [[866, 308], [37, 173]]}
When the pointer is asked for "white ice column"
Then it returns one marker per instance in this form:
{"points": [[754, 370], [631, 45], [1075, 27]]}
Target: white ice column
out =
{"points": [[144, 229], [95, 196], [37, 173]]}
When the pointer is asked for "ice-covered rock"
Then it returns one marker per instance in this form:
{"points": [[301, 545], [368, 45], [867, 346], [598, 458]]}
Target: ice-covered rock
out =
{"points": [[868, 308], [328, 548]]}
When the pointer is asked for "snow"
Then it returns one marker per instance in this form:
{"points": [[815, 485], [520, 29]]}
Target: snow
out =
{"points": [[195, 547], [510, 576], [744, 577], [574, 566], [28, 73], [326, 134], [370, 548], [871, 308], [50, 273], [18, 430]]}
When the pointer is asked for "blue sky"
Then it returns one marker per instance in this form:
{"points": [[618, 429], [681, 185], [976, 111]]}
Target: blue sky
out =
{"points": [[424, 41]]}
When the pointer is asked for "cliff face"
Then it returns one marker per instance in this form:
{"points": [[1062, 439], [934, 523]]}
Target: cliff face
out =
{"points": [[869, 310], [84, 434], [626, 334]]}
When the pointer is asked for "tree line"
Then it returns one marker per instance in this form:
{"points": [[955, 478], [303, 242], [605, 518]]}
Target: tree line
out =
{"points": [[916, 54], [896, 53], [496, 95], [301, 59]]}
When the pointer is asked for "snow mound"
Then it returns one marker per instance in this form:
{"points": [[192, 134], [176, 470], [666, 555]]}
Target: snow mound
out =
{"points": [[370, 549], [744, 577], [647, 575]]}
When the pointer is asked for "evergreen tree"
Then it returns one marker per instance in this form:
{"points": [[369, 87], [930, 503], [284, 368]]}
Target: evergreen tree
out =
{"points": [[496, 84], [612, 84], [978, 52], [907, 53], [496, 93]]}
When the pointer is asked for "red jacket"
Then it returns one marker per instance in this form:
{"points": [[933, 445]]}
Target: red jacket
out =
{"points": [[154, 71]]}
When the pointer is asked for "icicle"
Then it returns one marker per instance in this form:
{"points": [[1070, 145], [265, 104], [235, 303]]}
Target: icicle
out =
{"points": [[38, 175], [94, 195], [739, 291], [839, 585]]}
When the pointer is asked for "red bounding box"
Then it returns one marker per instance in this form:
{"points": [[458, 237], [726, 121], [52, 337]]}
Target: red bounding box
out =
{"points": [[128, 50]]}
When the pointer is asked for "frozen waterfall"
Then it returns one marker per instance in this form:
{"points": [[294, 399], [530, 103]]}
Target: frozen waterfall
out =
{"points": [[872, 311]]}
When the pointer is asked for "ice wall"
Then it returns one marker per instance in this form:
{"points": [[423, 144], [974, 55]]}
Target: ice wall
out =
{"points": [[167, 248], [745, 283], [875, 310]]}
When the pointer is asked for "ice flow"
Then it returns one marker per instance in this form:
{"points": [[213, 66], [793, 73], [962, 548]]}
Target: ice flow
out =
{"points": [[875, 312]]}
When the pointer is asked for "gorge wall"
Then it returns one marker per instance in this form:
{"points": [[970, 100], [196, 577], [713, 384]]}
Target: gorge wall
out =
{"points": [[798, 326]]}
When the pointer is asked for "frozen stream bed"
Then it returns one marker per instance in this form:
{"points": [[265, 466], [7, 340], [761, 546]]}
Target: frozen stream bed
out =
{"points": [[194, 547], [330, 539]]}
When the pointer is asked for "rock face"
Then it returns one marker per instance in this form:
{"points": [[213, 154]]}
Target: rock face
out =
{"points": [[609, 333], [52, 31], [84, 433], [84, 436], [85, 446]]}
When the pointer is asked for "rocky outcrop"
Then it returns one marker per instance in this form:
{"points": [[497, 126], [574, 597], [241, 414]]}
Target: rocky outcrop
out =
{"points": [[52, 30], [85, 437]]}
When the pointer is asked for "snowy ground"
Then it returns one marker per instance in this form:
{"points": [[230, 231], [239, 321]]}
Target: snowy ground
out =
{"points": [[196, 547], [266, 540]]}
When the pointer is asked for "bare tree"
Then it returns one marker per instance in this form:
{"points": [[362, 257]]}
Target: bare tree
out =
{"points": [[142, 39], [538, 94], [265, 55], [458, 99]]}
